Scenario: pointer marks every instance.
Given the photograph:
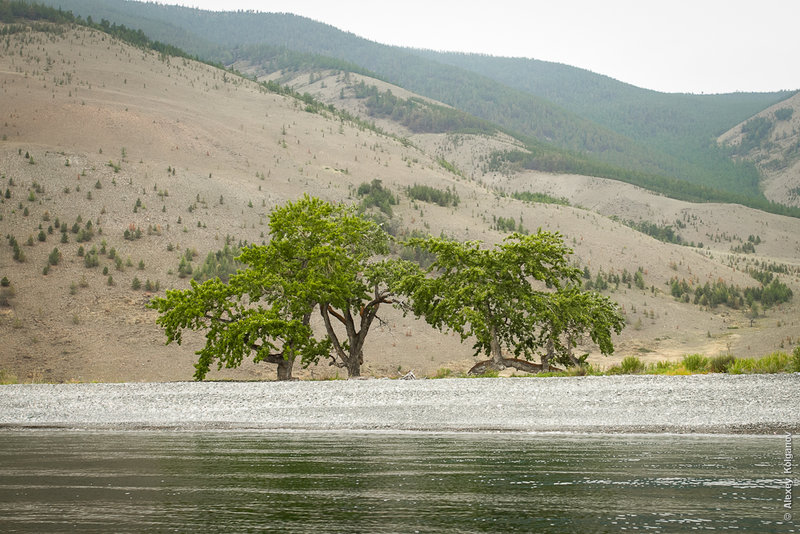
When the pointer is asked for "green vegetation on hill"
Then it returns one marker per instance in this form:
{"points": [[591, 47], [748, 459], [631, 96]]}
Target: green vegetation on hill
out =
{"points": [[418, 115]]}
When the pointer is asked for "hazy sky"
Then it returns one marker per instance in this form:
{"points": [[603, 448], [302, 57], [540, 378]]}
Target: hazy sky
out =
{"points": [[694, 46]]}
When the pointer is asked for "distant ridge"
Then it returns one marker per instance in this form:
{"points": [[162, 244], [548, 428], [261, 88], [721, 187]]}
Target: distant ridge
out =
{"points": [[658, 134]]}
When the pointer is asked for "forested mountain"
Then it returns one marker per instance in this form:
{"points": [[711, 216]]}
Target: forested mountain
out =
{"points": [[681, 125], [583, 113]]}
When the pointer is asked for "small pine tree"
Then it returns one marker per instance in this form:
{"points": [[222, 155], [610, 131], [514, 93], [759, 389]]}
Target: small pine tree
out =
{"points": [[54, 257]]}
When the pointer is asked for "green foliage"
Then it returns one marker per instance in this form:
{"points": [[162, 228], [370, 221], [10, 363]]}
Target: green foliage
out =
{"points": [[54, 257], [220, 264], [719, 292], [721, 363], [375, 195], [795, 363], [631, 365], [784, 114], [695, 363], [425, 193], [501, 297], [91, 259], [507, 224], [777, 362], [541, 198], [755, 133], [418, 115], [664, 233]]}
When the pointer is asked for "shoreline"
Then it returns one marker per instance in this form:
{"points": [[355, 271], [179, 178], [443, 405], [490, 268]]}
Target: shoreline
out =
{"points": [[624, 404]]}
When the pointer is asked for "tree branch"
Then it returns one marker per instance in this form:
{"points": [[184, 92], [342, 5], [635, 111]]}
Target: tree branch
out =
{"points": [[332, 336]]}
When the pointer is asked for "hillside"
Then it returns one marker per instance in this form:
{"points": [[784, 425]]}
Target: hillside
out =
{"points": [[771, 140], [618, 125], [185, 158]]}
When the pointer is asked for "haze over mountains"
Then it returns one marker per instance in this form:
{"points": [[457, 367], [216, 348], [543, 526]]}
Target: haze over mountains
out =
{"points": [[193, 157]]}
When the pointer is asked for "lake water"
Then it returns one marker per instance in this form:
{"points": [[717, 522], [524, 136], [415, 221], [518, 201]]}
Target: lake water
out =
{"points": [[59, 481]]}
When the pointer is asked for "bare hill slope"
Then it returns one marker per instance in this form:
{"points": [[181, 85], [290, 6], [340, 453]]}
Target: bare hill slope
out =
{"points": [[193, 157], [771, 140]]}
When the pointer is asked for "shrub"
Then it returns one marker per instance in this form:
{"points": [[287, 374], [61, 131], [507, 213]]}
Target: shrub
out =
{"points": [[721, 363], [777, 362], [136, 283], [631, 365], [795, 363], [695, 362]]}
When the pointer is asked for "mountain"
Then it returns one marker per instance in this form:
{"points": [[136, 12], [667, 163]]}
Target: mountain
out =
{"points": [[122, 164], [648, 133]]}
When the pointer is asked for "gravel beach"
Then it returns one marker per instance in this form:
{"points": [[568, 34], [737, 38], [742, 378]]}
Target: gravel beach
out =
{"points": [[715, 403]]}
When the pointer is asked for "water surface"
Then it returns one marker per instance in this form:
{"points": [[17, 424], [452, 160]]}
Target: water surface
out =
{"points": [[58, 481]]}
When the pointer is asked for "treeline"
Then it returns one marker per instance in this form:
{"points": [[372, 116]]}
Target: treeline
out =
{"points": [[675, 131], [550, 159], [664, 233], [541, 198], [418, 115], [15, 11]]}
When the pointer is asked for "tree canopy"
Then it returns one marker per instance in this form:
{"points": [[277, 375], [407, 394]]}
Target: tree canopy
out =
{"points": [[521, 295]]}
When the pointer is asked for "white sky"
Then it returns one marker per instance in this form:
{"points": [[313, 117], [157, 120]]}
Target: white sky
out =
{"points": [[696, 46]]}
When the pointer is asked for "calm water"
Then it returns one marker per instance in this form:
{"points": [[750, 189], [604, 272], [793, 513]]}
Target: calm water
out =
{"points": [[380, 482]]}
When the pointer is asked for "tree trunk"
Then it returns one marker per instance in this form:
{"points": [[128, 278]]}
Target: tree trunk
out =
{"points": [[285, 368], [521, 365], [353, 365], [494, 349], [284, 365], [547, 356]]}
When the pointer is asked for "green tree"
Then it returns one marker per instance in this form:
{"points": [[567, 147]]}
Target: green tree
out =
{"points": [[319, 257], [251, 314], [520, 295], [330, 250], [54, 257]]}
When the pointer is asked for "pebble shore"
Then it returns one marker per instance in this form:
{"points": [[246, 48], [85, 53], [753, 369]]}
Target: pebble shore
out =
{"points": [[714, 403]]}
